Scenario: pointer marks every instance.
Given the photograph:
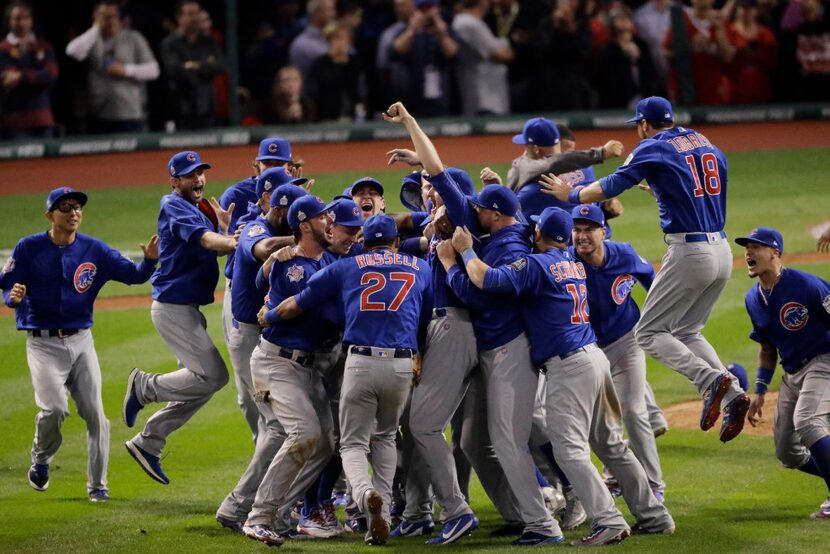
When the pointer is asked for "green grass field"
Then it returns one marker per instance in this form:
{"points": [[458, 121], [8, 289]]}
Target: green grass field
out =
{"points": [[725, 498]]}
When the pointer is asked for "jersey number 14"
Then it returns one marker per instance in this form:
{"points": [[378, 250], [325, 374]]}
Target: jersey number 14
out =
{"points": [[709, 182]]}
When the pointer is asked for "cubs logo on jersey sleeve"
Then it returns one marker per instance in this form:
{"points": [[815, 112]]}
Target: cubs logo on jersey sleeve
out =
{"points": [[793, 316], [621, 288], [84, 275], [295, 273]]}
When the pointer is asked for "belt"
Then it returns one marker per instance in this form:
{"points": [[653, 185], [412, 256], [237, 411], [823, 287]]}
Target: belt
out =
{"points": [[454, 313], [61, 333], [586, 348], [703, 237], [300, 356], [382, 352]]}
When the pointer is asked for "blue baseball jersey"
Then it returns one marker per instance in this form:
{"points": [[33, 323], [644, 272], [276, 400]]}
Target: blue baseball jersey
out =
{"points": [[613, 312], [688, 175], [288, 279], [442, 294], [584, 176], [246, 297], [554, 304], [381, 293], [794, 317], [240, 194], [63, 281], [459, 210], [188, 272], [497, 318]]}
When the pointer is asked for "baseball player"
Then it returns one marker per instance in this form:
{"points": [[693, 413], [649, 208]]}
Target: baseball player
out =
{"points": [[367, 193], [52, 280], [450, 357], [790, 314], [282, 368], [611, 271], [257, 241], [381, 293], [581, 405], [688, 176], [191, 232]]}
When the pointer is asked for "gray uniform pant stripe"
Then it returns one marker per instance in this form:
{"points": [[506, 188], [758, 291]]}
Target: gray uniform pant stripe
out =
{"points": [[203, 372], [803, 414], [242, 339], [678, 305], [61, 364]]}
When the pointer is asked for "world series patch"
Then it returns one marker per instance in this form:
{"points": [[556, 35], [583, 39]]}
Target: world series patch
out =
{"points": [[295, 273], [256, 230], [8, 267]]}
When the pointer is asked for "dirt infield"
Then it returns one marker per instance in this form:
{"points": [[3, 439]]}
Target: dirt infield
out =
{"points": [[686, 415], [145, 168]]}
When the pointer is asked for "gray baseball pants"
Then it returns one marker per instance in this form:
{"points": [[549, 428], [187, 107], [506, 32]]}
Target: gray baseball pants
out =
{"points": [[203, 372], [511, 384], [417, 490], [803, 414], [583, 414], [656, 418], [373, 396], [242, 339], [678, 305], [61, 364], [299, 401], [628, 371]]}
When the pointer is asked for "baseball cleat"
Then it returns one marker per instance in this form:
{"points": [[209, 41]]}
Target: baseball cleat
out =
{"points": [[98, 495], [131, 405], [823, 511], [378, 532], [39, 476], [413, 528], [232, 524], [263, 533], [532, 538], [734, 415], [455, 528], [330, 516], [601, 536], [356, 524], [574, 515], [638, 529], [314, 525], [149, 463], [712, 398]]}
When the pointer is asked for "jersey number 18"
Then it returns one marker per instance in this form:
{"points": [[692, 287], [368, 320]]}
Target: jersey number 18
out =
{"points": [[709, 182]]}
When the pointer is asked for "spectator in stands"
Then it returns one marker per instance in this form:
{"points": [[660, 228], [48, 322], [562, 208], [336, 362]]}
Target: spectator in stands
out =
{"points": [[311, 44], [27, 70], [704, 40], [652, 22], [416, 54], [482, 62], [517, 21], [119, 61], [756, 56], [625, 71], [805, 54], [191, 59], [334, 77], [287, 103], [562, 57]]}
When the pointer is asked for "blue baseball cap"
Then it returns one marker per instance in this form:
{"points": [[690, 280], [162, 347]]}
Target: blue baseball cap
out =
{"points": [[589, 212], [555, 223], [379, 227], [539, 131], [185, 162], [462, 179], [411, 192], [764, 235], [653, 108], [498, 198], [371, 181], [303, 209], [274, 148], [345, 212], [739, 371], [64, 193], [274, 177], [425, 3], [285, 195]]}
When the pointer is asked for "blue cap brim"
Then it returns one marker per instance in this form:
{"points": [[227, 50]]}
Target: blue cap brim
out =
{"points": [[191, 168], [743, 241], [519, 139], [275, 158], [535, 218], [78, 195], [634, 119], [298, 181]]}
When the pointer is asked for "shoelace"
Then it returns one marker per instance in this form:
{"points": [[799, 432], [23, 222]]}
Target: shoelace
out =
{"points": [[329, 516]]}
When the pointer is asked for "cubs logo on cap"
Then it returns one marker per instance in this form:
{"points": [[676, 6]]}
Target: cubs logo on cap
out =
{"points": [[766, 236], [589, 212], [186, 162], [274, 148], [84, 274], [793, 316], [366, 181], [64, 193]]}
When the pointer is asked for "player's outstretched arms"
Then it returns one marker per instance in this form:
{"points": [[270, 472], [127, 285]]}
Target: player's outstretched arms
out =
{"points": [[222, 215], [424, 148], [404, 156], [556, 187], [222, 244], [612, 149], [151, 249]]}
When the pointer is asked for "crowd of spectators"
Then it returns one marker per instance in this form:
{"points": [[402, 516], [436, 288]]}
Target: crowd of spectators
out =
{"points": [[123, 66]]}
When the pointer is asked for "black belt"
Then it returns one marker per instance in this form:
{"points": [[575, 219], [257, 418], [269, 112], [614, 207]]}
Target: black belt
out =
{"points": [[440, 312], [295, 356], [586, 348], [54, 332], [701, 237], [367, 351]]}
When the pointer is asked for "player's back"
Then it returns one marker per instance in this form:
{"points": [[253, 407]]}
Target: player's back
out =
{"points": [[382, 294]]}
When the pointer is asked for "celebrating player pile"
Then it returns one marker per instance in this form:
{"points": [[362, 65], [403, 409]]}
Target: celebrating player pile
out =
{"points": [[501, 313]]}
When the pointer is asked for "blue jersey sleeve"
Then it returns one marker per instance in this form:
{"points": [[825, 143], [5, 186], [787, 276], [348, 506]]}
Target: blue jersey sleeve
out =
{"points": [[458, 207], [323, 286], [412, 246], [756, 334], [188, 225], [124, 270], [14, 271], [821, 298], [641, 268], [465, 290], [631, 172], [512, 278]]}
